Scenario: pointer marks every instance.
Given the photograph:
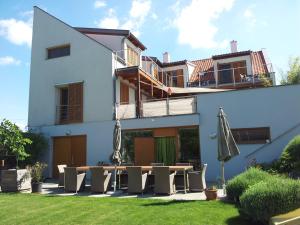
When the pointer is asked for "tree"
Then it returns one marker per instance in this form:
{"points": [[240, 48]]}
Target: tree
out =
{"points": [[12, 141], [36, 148], [293, 75]]}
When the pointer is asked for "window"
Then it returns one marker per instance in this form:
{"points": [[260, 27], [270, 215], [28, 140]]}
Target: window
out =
{"points": [[172, 78], [227, 70], [132, 57], [124, 94], [189, 145], [70, 108], [58, 51], [258, 135]]}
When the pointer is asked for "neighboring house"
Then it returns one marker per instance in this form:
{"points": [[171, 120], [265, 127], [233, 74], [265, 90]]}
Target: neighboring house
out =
{"points": [[82, 79]]}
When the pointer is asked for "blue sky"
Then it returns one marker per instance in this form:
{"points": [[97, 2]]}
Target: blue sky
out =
{"points": [[188, 29]]}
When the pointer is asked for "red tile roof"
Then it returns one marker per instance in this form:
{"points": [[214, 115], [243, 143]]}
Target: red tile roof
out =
{"points": [[206, 65], [258, 63]]}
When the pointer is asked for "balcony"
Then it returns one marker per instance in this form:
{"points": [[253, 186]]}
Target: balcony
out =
{"points": [[233, 78], [66, 114], [161, 107]]}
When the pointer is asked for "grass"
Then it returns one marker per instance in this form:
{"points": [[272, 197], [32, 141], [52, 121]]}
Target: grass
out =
{"points": [[43, 209]]}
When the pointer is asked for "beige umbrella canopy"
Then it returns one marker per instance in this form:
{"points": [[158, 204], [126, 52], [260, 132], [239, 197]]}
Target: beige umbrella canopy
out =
{"points": [[116, 157], [227, 147]]}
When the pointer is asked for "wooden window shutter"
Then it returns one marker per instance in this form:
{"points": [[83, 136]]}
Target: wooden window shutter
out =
{"points": [[180, 79], [76, 103], [124, 93]]}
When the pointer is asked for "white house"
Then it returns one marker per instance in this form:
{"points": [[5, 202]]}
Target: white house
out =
{"points": [[82, 79]]}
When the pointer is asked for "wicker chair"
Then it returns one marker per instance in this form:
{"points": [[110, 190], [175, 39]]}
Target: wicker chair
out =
{"points": [[151, 175], [73, 181], [123, 176], [179, 177], [197, 179], [136, 179], [100, 179], [164, 181], [61, 175]]}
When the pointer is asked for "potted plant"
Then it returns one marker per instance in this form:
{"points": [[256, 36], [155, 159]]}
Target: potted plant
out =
{"points": [[36, 173], [211, 193]]}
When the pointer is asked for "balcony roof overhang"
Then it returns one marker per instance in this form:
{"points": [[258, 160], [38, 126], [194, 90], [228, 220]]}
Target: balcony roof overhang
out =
{"points": [[135, 75]]}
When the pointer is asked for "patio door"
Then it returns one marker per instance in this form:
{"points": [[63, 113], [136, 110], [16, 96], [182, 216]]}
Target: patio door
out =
{"points": [[70, 150], [143, 151]]}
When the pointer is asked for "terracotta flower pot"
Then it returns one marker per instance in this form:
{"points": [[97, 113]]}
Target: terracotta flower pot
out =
{"points": [[211, 194]]}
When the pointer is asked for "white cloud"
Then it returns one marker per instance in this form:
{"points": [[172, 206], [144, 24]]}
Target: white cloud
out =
{"points": [[9, 60], [99, 4], [140, 8], [18, 32], [110, 22], [154, 16], [250, 17], [138, 12], [195, 22]]}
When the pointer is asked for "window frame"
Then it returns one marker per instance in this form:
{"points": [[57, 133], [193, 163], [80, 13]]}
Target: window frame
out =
{"points": [[267, 133], [55, 48]]}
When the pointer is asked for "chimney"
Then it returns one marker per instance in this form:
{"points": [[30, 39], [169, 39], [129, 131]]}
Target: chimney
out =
{"points": [[233, 46], [166, 57]]}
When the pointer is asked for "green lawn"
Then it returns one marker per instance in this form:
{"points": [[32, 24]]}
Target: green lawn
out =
{"points": [[43, 209]]}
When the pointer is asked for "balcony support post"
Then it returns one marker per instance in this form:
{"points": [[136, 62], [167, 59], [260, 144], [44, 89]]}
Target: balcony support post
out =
{"points": [[138, 97], [151, 89]]}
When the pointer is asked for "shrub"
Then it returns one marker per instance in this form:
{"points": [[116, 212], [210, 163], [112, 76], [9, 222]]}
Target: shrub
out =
{"points": [[37, 148], [240, 183], [289, 160], [268, 198]]}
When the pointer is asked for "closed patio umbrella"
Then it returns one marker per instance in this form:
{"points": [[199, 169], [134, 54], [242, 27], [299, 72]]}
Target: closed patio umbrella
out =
{"points": [[227, 147], [116, 157]]}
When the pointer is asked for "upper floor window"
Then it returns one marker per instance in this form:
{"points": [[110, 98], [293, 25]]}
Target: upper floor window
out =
{"points": [[70, 104], [58, 51], [175, 78], [257, 135], [132, 57]]}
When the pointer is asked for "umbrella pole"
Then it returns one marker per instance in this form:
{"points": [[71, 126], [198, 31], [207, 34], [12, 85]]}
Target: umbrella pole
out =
{"points": [[223, 177], [115, 180]]}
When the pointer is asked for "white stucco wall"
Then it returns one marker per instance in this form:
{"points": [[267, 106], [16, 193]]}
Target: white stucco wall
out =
{"points": [[275, 107], [89, 62], [99, 140], [100, 134]]}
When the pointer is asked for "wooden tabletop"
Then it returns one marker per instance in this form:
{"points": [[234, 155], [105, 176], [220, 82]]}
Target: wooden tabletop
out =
{"points": [[144, 168]]}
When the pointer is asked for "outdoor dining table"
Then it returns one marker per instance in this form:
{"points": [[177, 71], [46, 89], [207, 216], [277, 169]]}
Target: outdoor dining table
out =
{"points": [[184, 169]]}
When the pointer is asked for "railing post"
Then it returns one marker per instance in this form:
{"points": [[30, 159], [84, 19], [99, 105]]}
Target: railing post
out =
{"points": [[233, 76]]}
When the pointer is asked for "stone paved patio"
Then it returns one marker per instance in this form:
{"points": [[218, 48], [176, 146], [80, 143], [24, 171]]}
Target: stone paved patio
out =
{"points": [[51, 187]]}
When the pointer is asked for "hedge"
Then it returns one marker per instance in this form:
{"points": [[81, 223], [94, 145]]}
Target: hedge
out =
{"points": [[240, 183], [269, 198]]}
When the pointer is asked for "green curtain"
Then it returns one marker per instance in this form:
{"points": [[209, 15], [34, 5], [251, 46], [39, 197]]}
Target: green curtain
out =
{"points": [[165, 150]]}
